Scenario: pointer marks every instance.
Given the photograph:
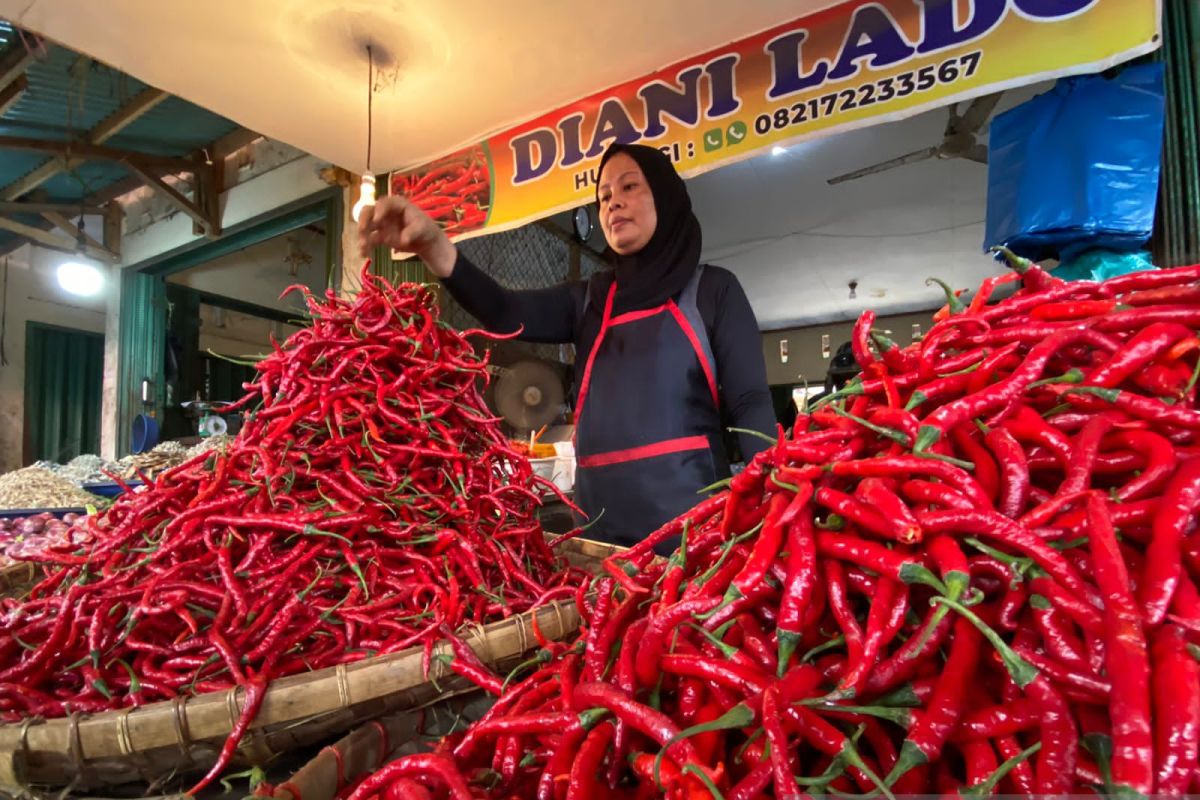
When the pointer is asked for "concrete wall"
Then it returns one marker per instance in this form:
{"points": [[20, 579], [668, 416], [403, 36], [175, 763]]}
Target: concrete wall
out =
{"points": [[233, 334], [260, 273], [33, 295]]}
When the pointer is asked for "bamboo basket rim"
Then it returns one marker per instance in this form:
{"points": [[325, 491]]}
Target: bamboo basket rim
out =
{"points": [[364, 749], [126, 733], [163, 736]]}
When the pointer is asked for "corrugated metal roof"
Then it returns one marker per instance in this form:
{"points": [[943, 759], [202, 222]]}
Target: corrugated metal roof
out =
{"points": [[67, 95]]}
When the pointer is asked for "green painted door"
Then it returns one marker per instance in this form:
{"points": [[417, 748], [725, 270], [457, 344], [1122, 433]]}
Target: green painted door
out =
{"points": [[64, 373]]}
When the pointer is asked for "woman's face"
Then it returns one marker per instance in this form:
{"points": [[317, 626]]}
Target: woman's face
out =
{"points": [[627, 214]]}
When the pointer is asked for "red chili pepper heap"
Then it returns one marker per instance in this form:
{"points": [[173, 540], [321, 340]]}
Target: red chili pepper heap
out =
{"points": [[369, 504], [974, 570]]}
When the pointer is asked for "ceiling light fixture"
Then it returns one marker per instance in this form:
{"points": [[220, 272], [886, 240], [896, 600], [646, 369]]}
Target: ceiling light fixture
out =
{"points": [[366, 189], [80, 278], [778, 150]]}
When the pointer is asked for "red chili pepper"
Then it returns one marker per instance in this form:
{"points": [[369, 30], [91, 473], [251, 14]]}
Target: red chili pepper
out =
{"points": [[1060, 739], [427, 766], [782, 758], [870, 555], [1014, 471], [1153, 279], [860, 341], [742, 677], [1179, 502], [1021, 776], [980, 403], [934, 494], [994, 526], [645, 720], [1176, 691], [986, 472], [980, 759], [653, 642], [939, 389], [1029, 426], [583, 778], [899, 518], [1007, 719], [907, 466], [1127, 659], [888, 609], [1081, 612], [1060, 641], [987, 288], [255, 690], [780, 513], [1189, 294], [865, 516], [1073, 310], [799, 588], [924, 740]]}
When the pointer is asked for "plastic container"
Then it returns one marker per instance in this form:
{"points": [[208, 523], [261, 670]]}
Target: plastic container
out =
{"points": [[145, 433], [109, 490]]}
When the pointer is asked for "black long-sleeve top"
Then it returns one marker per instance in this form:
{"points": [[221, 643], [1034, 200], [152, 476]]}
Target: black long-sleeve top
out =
{"points": [[559, 314]]}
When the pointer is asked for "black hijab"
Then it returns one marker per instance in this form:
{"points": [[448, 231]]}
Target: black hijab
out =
{"points": [[662, 268]]}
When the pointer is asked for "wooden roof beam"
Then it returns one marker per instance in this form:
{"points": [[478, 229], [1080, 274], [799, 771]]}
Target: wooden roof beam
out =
{"points": [[75, 151], [9, 207], [71, 229], [201, 212], [13, 61], [10, 94], [55, 241], [107, 128], [104, 200]]}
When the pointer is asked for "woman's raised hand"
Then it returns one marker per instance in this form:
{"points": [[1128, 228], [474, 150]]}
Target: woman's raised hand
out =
{"points": [[399, 224]]}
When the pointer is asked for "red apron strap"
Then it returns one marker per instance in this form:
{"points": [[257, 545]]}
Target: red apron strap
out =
{"points": [[645, 451], [690, 332], [587, 370], [634, 316]]}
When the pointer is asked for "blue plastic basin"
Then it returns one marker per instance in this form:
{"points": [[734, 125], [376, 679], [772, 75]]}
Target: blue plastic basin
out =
{"points": [[145, 433]]}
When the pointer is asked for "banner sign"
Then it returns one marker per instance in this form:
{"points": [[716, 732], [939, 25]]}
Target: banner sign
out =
{"points": [[857, 64]]}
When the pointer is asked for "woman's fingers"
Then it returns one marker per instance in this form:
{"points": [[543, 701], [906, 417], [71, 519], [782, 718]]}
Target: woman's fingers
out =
{"points": [[399, 224], [381, 223]]}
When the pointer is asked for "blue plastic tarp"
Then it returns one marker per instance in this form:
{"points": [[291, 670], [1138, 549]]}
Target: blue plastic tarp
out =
{"points": [[1077, 167]]}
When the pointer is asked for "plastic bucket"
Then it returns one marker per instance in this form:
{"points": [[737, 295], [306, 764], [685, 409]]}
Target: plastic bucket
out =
{"points": [[145, 433]]}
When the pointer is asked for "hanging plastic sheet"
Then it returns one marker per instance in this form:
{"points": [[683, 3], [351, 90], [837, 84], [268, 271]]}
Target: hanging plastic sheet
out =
{"points": [[1077, 168]]}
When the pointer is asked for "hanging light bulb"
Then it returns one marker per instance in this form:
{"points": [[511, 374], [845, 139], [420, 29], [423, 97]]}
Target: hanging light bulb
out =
{"points": [[366, 195], [366, 188], [80, 276]]}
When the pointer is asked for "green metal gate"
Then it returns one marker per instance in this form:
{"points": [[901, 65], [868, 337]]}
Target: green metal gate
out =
{"points": [[1177, 232], [64, 375]]}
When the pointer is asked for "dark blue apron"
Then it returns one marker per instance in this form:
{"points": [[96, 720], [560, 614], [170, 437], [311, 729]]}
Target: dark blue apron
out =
{"points": [[647, 422]]}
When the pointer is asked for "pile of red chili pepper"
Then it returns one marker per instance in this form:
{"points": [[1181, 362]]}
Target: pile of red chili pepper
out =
{"points": [[972, 570], [369, 504], [455, 192]]}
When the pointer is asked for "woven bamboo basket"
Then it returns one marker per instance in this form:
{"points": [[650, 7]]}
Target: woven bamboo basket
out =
{"points": [[157, 741], [370, 746], [17, 576]]}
